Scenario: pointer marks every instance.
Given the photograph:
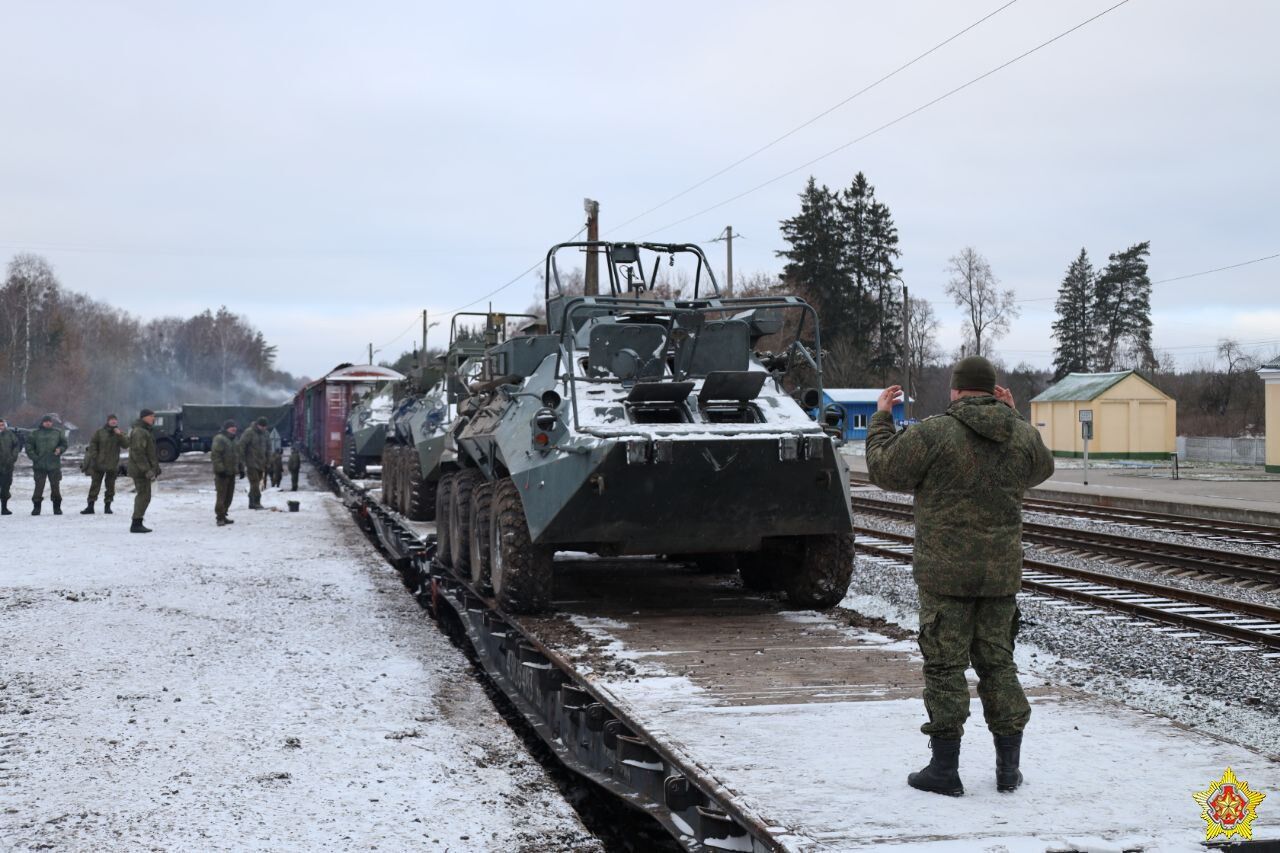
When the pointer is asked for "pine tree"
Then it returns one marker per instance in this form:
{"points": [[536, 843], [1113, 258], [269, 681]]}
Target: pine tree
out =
{"points": [[1073, 330], [815, 261], [1122, 308]]}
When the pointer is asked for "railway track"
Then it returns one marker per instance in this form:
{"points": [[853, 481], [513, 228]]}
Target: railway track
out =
{"points": [[1216, 530], [1246, 622], [1245, 568]]}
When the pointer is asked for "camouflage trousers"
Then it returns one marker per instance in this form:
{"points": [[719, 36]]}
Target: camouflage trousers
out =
{"points": [[957, 632], [6, 482], [54, 479], [224, 486], [256, 476], [96, 481], [293, 479], [141, 497]]}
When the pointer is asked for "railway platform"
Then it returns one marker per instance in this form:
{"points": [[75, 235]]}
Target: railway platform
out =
{"points": [[1255, 500]]}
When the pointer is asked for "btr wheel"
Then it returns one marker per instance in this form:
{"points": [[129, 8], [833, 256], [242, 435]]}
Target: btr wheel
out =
{"points": [[349, 457], [412, 470], [519, 570], [821, 579], [481, 505], [444, 500], [460, 519]]}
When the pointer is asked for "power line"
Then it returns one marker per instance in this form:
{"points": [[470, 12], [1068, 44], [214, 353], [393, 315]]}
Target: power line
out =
{"points": [[891, 123], [821, 115], [1177, 277], [503, 287]]}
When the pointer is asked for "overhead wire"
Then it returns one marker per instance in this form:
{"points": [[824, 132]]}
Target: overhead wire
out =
{"points": [[921, 108], [828, 111]]}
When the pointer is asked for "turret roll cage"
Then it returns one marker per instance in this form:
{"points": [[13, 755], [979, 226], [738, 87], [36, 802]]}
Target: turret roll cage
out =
{"points": [[628, 255]]}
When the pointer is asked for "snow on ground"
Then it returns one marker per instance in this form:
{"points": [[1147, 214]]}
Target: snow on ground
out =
{"points": [[265, 686]]}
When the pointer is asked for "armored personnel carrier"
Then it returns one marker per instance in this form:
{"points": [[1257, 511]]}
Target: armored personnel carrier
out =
{"points": [[418, 447], [366, 431], [639, 423]]}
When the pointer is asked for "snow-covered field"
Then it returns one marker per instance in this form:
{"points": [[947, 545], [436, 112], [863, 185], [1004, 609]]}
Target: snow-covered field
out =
{"points": [[264, 686]]}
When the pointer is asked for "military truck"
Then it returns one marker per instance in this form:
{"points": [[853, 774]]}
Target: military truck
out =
{"points": [[191, 428], [366, 431], [418, 445], [646, 424]]}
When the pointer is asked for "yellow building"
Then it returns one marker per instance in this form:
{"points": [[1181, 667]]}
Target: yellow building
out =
{"points": [[1132, 419], [1270, 374]]}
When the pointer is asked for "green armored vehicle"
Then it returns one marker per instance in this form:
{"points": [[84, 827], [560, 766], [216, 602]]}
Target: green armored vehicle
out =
{"points": [[640, 423], [419, 446], [366, 431]]}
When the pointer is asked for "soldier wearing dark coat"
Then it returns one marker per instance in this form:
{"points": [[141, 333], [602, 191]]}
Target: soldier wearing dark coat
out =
{"points": [[276, 472], [144, 467], [10, 447], [968, 470], [255, 454], [226, 462], [102, 463], [45, 447], [295, 465]]}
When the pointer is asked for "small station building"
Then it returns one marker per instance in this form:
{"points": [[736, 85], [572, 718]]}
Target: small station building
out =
{"points": [[1132, 419], [1270, 373], [859, 404]]}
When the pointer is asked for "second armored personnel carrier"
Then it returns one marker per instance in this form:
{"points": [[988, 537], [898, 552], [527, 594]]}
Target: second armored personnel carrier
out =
{"points": [[366, 431], [644, 423]]}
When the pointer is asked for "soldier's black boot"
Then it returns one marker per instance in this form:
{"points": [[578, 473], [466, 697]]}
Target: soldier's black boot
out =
{"points": [[106, 507], [57, 506], [138, 528], [1008, 754], [4, 507], [35, 506], [942, 774], [88, 510]]}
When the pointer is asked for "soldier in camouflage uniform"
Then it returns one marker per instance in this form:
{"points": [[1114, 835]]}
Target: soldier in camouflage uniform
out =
{"points": [[226, 461], [10, 447], [255, 453], [144, 467], [295, 465], [45, 447], [277, 459], [102, 463], [968, 470]]}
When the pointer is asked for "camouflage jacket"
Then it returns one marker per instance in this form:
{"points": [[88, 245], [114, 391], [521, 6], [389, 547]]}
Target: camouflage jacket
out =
{"points": [[968, 470], [103, 453], [10, 447], [295, 460], [255, 448], [143, 461], [225, 454], [41, 444]]}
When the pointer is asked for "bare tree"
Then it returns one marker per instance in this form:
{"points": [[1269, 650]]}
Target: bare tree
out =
{"points": [[29, 282], [975, 289], [1238, 365], [922, 339]]}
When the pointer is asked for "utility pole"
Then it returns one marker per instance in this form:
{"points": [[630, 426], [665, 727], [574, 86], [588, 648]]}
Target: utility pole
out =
{"points": [[591, 282], [726, 237], [422, 360], [370, 352], [906, 354]]}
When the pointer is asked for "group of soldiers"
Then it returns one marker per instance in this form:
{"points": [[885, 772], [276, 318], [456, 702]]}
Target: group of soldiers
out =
{"points": [[257, 456]]}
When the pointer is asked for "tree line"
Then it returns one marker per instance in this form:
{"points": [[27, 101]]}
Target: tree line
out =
{"points": [[64, 352]]}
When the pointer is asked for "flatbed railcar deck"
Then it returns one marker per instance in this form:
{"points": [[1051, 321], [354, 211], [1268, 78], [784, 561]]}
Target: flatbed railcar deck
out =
{"points": [[742, 726]]}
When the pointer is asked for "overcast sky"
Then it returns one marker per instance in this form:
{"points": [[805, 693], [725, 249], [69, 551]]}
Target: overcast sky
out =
{"points": [[331, 169]]}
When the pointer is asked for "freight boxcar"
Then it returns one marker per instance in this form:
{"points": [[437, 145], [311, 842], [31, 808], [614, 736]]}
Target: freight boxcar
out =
{"points": [[321, 409]]}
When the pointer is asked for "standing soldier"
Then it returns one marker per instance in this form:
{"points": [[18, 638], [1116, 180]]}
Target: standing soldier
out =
{"points": [[102, 462], [144, 467], [968, 469], [10, 446], [277, 459], [225, 464], [255, 453], [45, 446], [295, 465]]}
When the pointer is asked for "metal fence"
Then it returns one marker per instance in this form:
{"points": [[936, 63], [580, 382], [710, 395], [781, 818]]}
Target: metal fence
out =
{"points": [[1237, 451]]}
